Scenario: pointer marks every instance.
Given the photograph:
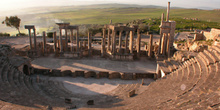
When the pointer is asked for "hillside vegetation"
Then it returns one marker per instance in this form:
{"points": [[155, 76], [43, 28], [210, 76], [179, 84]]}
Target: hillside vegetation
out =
{"points": [[45, 20]]}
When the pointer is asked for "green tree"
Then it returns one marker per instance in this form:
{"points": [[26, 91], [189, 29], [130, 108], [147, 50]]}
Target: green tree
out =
{"points": [[12, 21]]}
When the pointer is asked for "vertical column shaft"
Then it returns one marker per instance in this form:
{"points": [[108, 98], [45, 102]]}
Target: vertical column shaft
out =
{"points": [[44, 42], [131, 41], [168, 45], [161, 33], [89, 44], [102, 48], [66, 40], [104, 38], [168, 11], [114, 42], [30, 39], [35, 40], [108, 39], [164, 44], [120, 41], [77, 40], [61, 43], [138, 44], [55, 41], [126, 41], [150, 46], [71, 39]]}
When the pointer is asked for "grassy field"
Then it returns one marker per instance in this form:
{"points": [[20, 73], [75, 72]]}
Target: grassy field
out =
{"points": [[46, 20]]}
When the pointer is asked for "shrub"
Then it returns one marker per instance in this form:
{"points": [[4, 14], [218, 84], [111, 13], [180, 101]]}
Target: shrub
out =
{"points": [[4, 34]]}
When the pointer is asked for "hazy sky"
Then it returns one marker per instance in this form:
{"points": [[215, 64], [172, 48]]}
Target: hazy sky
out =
{"points": [[18, 4]]}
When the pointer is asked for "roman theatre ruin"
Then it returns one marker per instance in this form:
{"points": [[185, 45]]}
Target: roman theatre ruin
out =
{"points": [[115, 71]]}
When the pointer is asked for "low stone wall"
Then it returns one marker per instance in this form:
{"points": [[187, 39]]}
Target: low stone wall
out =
{"points": [[93, 74]]}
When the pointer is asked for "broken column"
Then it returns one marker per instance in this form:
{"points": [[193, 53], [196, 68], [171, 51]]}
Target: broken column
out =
{"points": [[108, 39], [150, 46]]}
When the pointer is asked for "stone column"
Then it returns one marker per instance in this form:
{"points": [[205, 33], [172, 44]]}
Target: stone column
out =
{"points": [[164, 44], [120, 41], [138, 43], [71, 39], [35, 40], [168, 45], [55, 41], [131, 41], [108, 39], [84, 43], [104, 38], [161, 34], [89, 44], [77, 40], [168, 11], [61, 43], [44, 43], [80, 45], [30, 39], [66, 40], [114, 42], [102, 48], [150, 46], [126, 41]]}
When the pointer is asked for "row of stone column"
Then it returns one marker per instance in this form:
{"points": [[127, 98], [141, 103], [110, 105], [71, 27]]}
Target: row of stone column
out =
{"points": [[111, 40]]}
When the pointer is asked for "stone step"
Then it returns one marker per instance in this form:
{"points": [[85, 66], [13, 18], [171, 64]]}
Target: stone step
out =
{"points": [[10, 77], [212, 55], [169, 65]]}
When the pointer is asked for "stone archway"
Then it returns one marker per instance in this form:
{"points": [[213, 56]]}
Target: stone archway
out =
{"points": [[26, 70]]}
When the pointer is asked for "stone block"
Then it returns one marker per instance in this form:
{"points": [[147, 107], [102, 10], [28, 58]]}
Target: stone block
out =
{"points": [[66, 73], [73, 74], [90, 102], [103, 74], [114, 75], [68, 101], [89, 74], [41, 71], [79, 73], [131, 93], [128, 76], [56, 72]]}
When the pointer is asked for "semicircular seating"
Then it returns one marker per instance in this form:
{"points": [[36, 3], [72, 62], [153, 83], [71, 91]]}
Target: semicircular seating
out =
{"points": [[194, 84]]}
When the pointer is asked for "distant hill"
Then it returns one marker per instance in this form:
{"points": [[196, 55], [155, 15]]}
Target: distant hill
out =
{"points": [[44, 18]]}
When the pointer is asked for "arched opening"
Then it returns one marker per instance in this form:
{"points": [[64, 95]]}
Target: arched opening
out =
{"points": [[26, 70]]}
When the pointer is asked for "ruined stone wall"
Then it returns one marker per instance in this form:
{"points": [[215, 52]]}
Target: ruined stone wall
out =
{"points": [[198, 36], [213, 34]]}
